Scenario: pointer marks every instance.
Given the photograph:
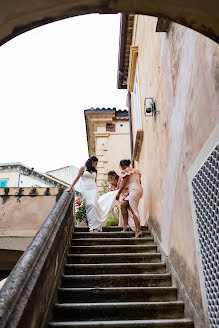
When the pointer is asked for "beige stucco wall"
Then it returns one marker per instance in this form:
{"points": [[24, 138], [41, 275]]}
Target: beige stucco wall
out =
{"points": [[24, 180], [179, 69], [12, 178], [27, 181], [21, 217], [111, 147]]}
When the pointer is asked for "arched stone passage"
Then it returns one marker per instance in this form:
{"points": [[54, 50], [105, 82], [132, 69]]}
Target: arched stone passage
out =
{"points": [[20, 16]]}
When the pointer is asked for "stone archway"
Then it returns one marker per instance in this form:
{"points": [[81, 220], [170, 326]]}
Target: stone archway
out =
{"points": [[20, 16]]}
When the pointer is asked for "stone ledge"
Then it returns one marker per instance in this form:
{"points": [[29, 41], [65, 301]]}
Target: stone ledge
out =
{"points": [[138, 144], [17, 233], [30, 191], [132, 67]]}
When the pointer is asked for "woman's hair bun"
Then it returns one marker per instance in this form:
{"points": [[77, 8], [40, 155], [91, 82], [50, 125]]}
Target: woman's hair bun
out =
{"points": [[125, 162]]}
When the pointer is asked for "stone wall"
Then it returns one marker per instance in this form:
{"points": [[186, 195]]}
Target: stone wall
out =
{"points": [[22, 212], [180, 70]]}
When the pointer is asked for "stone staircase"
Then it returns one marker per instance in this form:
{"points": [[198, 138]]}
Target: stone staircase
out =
{"points": [[112, 280]]}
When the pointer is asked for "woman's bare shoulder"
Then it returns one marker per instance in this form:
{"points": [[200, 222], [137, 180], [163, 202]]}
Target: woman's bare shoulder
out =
{"points": [[82, 168]]}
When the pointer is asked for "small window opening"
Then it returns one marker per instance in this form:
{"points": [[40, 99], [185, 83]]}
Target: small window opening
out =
{"points": [[110, 127], [3, 183]]}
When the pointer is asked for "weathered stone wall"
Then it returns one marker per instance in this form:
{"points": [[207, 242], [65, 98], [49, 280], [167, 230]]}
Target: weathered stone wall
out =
{"points": [[22, 212], [180, 70]]}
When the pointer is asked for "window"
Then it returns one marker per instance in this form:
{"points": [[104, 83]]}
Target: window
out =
{"points": [[3, 183], [137, 102], [110, 127]]}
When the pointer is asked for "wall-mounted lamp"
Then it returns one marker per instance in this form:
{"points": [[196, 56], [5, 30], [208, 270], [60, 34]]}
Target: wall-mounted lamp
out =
{"points": [[149, 107]]}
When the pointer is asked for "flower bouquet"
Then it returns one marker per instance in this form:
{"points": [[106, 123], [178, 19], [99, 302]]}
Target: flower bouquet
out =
{"points": [[80, 211]]}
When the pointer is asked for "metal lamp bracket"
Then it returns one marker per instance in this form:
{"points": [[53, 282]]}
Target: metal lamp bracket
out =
{"points": [[150, 107]]}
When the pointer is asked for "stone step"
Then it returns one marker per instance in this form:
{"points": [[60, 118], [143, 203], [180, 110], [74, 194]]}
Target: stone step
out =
{"points": [[118, 311], [117, 294], [112, 249], [114, 258], [160, 323], [117, 228], [112, 241], [117, 280], [106, 229], [115, 234], [119, 268]]}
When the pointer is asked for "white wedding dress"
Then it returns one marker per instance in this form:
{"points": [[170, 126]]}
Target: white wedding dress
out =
{"points": [[97, 209]]}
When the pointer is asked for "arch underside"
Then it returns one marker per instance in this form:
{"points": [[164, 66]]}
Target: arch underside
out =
{"points": [[17, 17]]}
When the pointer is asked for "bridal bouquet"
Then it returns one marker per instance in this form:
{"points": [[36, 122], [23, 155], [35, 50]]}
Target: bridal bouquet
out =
{"points": [[78, 202], [80, 211]]}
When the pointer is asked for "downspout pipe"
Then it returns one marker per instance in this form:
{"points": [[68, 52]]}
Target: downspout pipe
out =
{"points": [[130, 127], [19, 177]]}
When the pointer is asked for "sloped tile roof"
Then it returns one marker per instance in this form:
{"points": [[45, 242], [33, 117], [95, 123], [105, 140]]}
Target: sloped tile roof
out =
{"points": [[118, 112]]}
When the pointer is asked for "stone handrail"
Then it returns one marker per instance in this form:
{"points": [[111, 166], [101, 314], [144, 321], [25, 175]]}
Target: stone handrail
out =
{"points": [[28, 294]]}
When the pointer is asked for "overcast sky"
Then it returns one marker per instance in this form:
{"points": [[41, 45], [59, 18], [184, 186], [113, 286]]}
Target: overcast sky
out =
{"points": [[48, 76]]}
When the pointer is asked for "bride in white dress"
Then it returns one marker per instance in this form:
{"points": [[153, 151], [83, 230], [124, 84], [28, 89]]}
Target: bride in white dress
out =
{"points": [[97, 209]]}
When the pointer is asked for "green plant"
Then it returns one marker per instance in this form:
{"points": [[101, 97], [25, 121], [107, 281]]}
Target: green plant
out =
{"points": [[112, 222], [80, 211], [105, 187]]}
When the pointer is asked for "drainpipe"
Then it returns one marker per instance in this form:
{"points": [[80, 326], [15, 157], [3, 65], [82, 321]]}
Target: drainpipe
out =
{"points": [[130, 127], [19, 180]]}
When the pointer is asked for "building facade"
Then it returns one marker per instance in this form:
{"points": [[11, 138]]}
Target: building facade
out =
{"points": [[18, 175], [108, 139], [66, 174], [171, 74]]}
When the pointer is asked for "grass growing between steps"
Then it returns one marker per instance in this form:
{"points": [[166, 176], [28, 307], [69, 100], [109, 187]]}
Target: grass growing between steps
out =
{"points": [[112, 222]]}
